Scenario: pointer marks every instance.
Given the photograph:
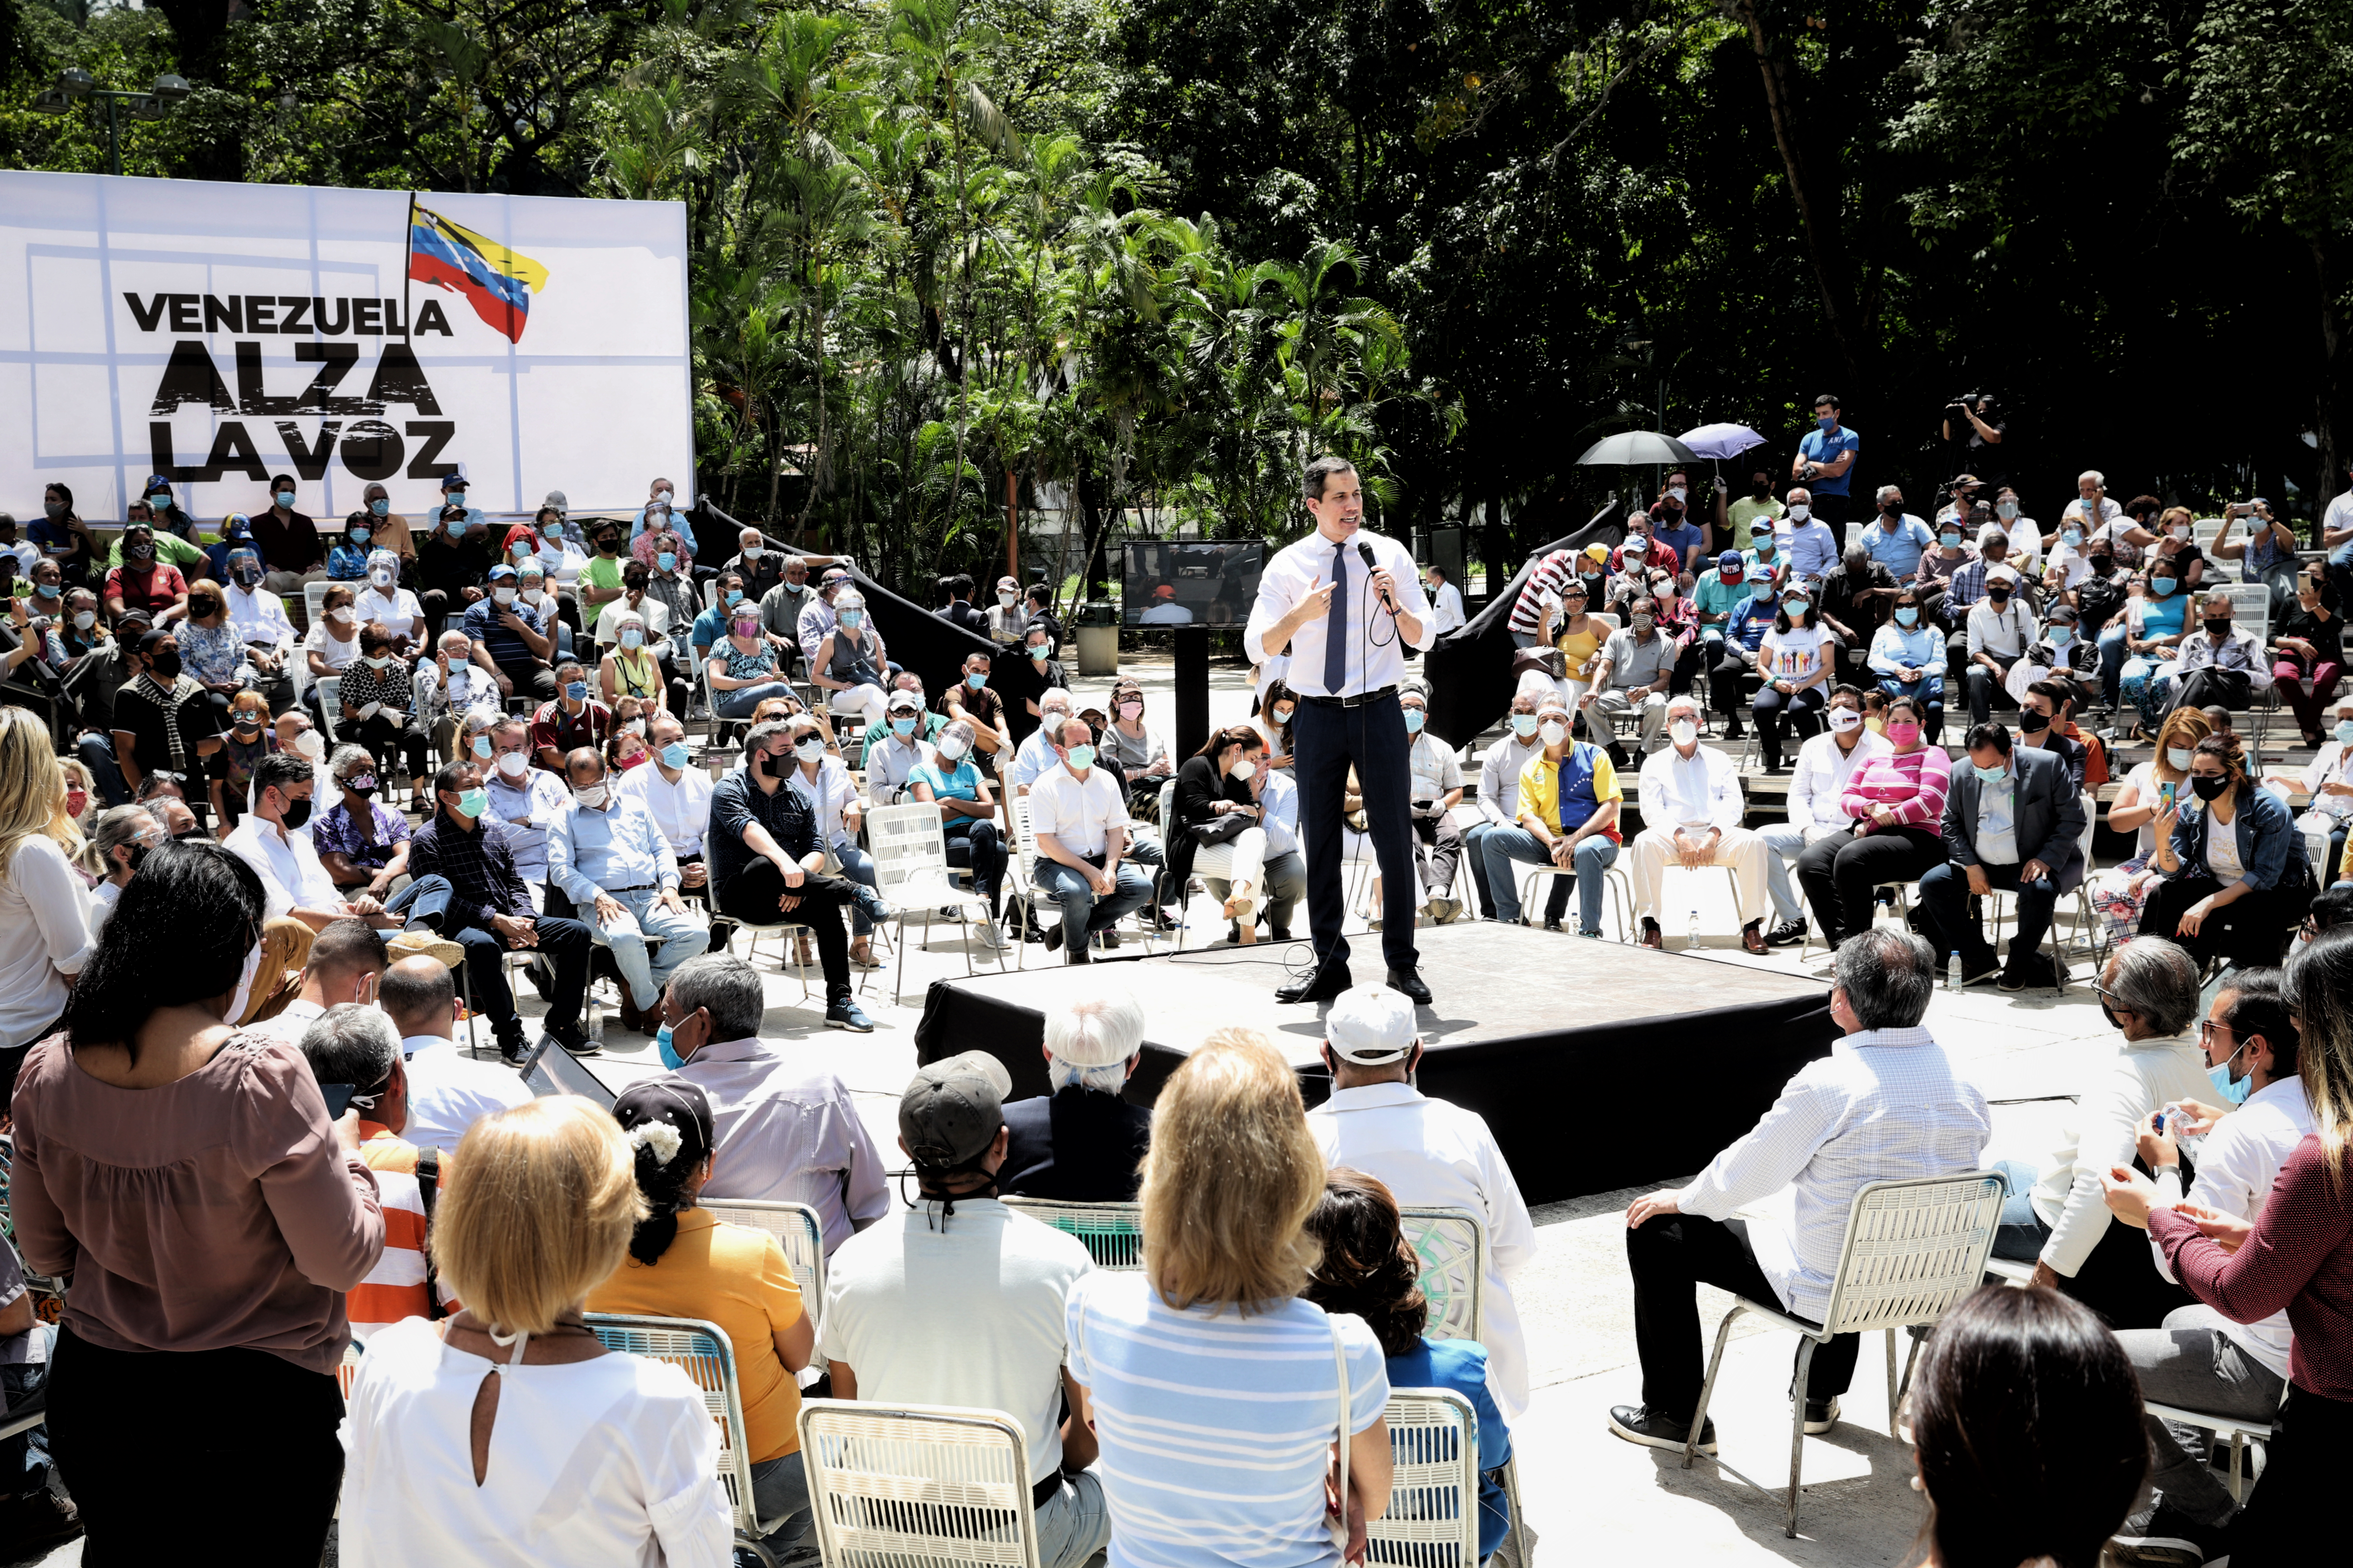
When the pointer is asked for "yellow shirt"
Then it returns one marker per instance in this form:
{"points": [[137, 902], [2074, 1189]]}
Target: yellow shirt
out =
{"points": [[1540, 790], [736, 1278], [1576, 650]]}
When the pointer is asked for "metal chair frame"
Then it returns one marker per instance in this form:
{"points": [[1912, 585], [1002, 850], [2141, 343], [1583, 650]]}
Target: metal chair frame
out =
{"points": [[912, 872], [903, 1515], [799, 1232], [1029, 893], [1912, 1249], [1432, 1520]]}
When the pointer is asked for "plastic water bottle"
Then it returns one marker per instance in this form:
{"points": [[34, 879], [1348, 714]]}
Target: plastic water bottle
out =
{"points": [[1952, 970], [1690, 937]]}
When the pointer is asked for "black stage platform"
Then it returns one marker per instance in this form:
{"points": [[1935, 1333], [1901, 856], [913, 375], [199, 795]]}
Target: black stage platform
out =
{"points": [[1597, 1065]]}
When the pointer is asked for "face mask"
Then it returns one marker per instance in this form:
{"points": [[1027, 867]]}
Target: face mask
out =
{"points": [[663, 495], [952, 748], [1682, 732], [1989, 775], [361, 784], [298, 812], [2006, 511], [608, 546], [1799, 512], [1845, 719], [141, 552], [2208, 788], [159, 503], [810, 750], [1131, 710], [511, 764], [1007, 599], [591, 796], [523, 550], [1762, 489], [247, 577], [1678, 492], [77, 802], [361, 535], [2061, 635], [577, 690], [85, 619], [2217, 627], [248, 723], [311, 744], [286, 500], [753, 552], [667, 560], [2101, 564], [2034, 724], [670, 1056], [1038, 652], [1891, 509], [1082, 758], [384, 662], [853, 620], [1949, 539], [167, 666], [1998, 596], [2070, 536], [2344, 731], [2180, 530], [455, 498], [1796, 607], [1760, 590], [203, 609], [1825, 421], [1282, 715], [734, 596], [1523, 724], [977, 678], [632, 637], [747, 628], [1644, 623], [1554, 733], [474, 802], [2160, 586], [482, 746], [1906, 615], [902, 726], [1413, 721], [503, 596], [381, 577], [1903, 732]]}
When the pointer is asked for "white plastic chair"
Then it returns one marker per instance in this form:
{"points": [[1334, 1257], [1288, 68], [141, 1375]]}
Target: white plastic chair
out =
{"points": [[1031, 896], [1452, 1246], [1432, 1520], [912, 874], [1112, 1232], [917, 1486], [800, 1234], [314, 598], [704, 1353], [1912, 1249]]}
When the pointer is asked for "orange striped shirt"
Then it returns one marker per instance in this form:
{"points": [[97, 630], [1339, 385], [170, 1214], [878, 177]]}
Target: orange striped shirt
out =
{"points": [[394, 1289]]}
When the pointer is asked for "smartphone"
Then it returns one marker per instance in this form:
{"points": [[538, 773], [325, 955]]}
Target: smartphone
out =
{"points": [[338, 1097]]}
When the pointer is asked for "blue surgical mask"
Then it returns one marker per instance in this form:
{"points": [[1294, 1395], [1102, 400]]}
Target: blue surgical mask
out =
{"points": [[361, 535], [1949, 537], [381, 507], [1797, 607], [2070, 536], [1991, 775], [977, 679], [474, 802], [2236, 1093], [577, 690], [161, 502], [667, 560], [670, 1056], [1082, 758], [902, 726], [1413, 718], [2061, 635], [734, 596], [677, 755], [853, 620], [1039, 651], [1906, 615], [482, 746], [2344, 731], [1523, 724], [1826, 421], [2160, 586], [632, 637], [2180, 757]]}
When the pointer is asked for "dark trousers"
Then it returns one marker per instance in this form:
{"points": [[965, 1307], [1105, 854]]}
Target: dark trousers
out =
{"points": [[1944, 911], [1670, 1256], [1839, 872], [2253, 930], [1327, 741], [388, 734], [976, 842], [2212, 688], [262, 1415], [1802, 710], [533, 680], [751, 897], [2297, 1500], [1983, 686], [1831, 510], [1440, 846], [1725, 681], [1689, 666], [565, 943]]}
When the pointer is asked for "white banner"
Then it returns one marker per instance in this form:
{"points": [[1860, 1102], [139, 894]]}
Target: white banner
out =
{"points": [[224, 334]]}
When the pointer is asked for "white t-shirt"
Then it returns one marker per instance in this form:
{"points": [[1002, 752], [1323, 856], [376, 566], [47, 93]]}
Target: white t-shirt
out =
{"points": [[338, 654], [398, 612], [1792, 656], [965, 1309], [44, 935], [448, 1092], [1078, 813], [2222, 851]]}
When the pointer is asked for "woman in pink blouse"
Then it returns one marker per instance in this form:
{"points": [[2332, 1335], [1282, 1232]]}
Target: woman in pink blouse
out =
{"points": [[187, 1176], [1897, 802]]}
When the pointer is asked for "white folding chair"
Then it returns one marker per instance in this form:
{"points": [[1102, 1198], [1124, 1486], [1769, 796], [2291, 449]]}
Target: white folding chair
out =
{"points": [[1112, 1232], [786, 952], [704, 1353], [1912, 1249], [330, 708], [1452, 1246], [917, 1486], [1432, 1520], [800, 1233], [912, 874], [1033, 902]]}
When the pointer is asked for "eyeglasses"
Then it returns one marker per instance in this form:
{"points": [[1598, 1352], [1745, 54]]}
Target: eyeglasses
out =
{"points": [[2208, 1027]]}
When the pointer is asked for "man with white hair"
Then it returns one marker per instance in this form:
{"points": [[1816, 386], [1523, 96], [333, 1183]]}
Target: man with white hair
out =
{"points": [[848, 660], [1082, 1143], [1036, 752], [1691, 808], [760, 567], [1430, 1153], [1809, 544]]}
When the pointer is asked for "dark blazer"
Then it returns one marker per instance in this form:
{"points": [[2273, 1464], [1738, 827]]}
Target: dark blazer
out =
{"points": [[1079, 1146], [2050, 815], [2078, 755], [1197, 786]]}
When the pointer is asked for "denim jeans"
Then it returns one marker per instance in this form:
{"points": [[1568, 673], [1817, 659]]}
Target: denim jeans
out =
{"points": [[1083, 910], [739, 703], [2022, 1234], [1784, 842], [1075, 1522], [780, 1488], [1592, 856], [648, 941], [2112, 659]]}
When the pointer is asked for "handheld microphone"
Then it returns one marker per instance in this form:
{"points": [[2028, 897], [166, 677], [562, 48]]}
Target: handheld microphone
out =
{"points": [[1366, 551]]}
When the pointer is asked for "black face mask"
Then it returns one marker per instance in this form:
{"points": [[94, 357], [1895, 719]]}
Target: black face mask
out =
{"points": [[1762, 491], [133, 853], [2034, 724], [2217, 627], [607, 545], [2206, 788], [165, 665], [1891, 508], [2101, 564], [298, 812], [1997, 597]]}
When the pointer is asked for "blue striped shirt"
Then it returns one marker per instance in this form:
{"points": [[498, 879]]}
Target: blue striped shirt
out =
{"points": [[1217, 1429]]}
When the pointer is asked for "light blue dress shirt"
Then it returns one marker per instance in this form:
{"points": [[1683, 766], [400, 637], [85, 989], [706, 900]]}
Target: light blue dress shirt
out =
{"points": [[590, 851]]}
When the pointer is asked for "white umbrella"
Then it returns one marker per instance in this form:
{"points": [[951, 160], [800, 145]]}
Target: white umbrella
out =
{"points": [[1721, 440], [1638, 447]]}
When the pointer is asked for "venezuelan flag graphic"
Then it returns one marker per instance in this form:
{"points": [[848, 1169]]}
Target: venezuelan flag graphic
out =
{"points": [[496, 281]]}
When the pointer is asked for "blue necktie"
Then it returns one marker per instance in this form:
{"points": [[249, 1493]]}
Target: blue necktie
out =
{"points": [[1335, 650]]}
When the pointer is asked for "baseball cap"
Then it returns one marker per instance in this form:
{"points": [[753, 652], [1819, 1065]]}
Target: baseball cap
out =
{"points": [[951, 1110], [502, 570], [1165, 591], [555, 499], [1371, 1025], [154, 482], [2062, 615], [1729, 561], [903, 701], [1597, 551], [456, 476]]}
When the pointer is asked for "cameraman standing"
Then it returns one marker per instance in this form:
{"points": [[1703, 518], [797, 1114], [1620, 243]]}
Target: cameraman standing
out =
{"points": [[1974, 423]]}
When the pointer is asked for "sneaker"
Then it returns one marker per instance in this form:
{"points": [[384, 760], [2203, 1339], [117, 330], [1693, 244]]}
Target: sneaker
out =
{"points": [[573, 1039], [844, 1015], [2159, 1534], [874, 906], [1641, 1424], [1789, 933], [1110, 937], [513, 1049], [424, 944], [1822, 1414], [988, 936]]}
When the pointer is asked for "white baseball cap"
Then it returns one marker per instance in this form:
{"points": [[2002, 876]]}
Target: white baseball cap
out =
{"points": [[1371, 1025]]}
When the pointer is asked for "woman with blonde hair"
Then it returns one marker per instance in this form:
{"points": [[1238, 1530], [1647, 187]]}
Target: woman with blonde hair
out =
{"points": [[44, 935], [508, 1433], [1213, 1340]]}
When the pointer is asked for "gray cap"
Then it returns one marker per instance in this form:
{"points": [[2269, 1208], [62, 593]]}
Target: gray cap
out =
{"points": [[1371, 1025], [555, 499], [952, 1110]]}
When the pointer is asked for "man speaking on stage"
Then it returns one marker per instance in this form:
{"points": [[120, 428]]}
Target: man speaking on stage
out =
{"points": [[1345, 604]]}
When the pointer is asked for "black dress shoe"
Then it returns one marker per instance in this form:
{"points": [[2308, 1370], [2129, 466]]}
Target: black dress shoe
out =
{"points": [[1054, 936], [1321, 987], [1552, 922], [1279, 933], [1641, 1424], [1410, 982]]}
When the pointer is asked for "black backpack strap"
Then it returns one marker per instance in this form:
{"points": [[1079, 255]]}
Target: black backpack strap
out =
{"points": [[428, 1188]]}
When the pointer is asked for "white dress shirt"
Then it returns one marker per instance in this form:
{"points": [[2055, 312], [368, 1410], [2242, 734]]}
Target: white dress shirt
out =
{"points": [[449, 1091], [789, 1134], [292, 876], [1435, 1154], [1373, 651], [2237, 1163], [615, 849], [1446, 608], [829, 795], [2103, 1128], [1278, 804], [1499, 777], [681, 809], [529, 808], [1702, 789], [1819, 779], [1885, 1106], [1078, 813], [259, 618]]}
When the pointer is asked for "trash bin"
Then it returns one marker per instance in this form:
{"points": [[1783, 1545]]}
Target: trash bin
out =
{"points": [[1098, 637]]}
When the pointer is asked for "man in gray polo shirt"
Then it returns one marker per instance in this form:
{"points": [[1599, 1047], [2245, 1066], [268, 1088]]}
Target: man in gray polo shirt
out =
{"points": [[1632, 675]]}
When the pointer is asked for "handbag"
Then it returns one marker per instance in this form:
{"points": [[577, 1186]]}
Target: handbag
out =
{"points": [[1549, 659], [1221, 830]]}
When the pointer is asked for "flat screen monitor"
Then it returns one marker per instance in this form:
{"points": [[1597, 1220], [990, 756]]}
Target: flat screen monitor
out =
{"points": [[1191, 583]]}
